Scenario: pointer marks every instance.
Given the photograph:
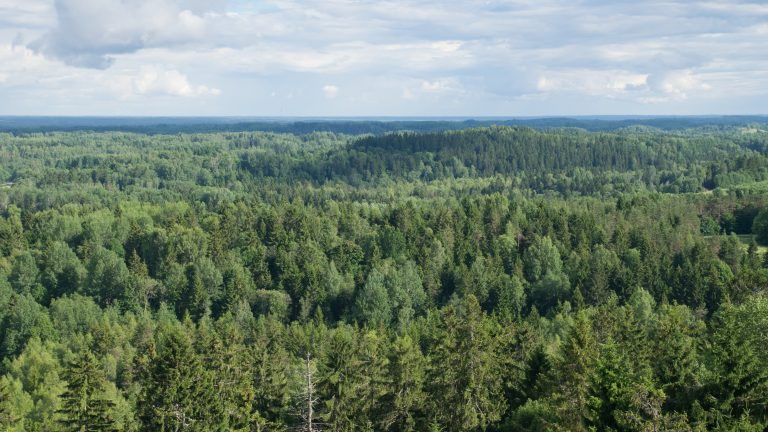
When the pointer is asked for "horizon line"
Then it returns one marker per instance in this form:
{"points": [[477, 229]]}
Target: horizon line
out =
{"points": [[385, 117]]}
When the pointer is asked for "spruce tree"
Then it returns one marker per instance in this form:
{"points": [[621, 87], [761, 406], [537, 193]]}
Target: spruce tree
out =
{"points": [[572, 374], [83, 408], [271, 370], [339, 386], [465, 375], [177, 392], [232, 369], [402, 405]]}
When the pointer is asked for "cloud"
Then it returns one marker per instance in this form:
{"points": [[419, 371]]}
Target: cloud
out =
{"points": [[330, 91], [89, 33], [18, 63], [491, 57], [674, 86], [439, 86], [159, 81], [595, 82], [618, 84]]}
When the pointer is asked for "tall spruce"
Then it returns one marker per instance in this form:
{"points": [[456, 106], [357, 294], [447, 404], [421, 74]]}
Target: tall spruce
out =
{"points": [[465, 376], [177, 392], [83, 405]]}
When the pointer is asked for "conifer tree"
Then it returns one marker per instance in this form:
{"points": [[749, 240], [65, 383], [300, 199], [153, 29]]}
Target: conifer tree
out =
{"points": [[231, 366], [340, 382], [271, 384], [177, 392], [84, 409], [374, 378], [465, 372], [405, 399], [737, 353], [572, 374]]}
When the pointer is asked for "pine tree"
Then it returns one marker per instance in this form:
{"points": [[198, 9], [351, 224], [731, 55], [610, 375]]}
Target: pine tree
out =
{"points": [[608, 387], [142, 287], [676, 362], [83, 407]]}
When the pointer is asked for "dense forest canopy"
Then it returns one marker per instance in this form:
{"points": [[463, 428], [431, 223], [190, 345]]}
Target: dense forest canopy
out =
{"points": [[492, 278]]}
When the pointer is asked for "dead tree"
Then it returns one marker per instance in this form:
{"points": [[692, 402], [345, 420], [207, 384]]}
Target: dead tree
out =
{"points": [[309, 399]]}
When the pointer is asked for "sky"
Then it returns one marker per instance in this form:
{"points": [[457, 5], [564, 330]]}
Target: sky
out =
{"points": [[382, 58]]}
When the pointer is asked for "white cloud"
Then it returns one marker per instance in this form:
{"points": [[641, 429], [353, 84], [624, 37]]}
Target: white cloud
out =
{"points": [[489, 57], [439, 85], [159, 81], [88, 33], [642, 88], [675, 86], [27, 13], [330, 91], [18, 63], [595, 82]]}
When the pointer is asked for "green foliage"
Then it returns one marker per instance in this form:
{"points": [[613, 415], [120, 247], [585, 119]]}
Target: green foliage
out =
{"points": [[404, 401], [177, 392], [572, 375], [108, 276], [24, 276], [372, 305], [8, 418], [61, 272], [23, 319], [541, 258], [760, 227], [738, 386], [464, 375], [83, 406], [499, 279], [37, 372]]}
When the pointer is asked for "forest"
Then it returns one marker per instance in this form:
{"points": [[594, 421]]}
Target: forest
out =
{"points": [[385, 277]]}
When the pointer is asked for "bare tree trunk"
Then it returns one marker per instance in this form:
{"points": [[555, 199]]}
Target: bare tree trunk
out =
{"points": [[310, 391], [309, 425]]}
